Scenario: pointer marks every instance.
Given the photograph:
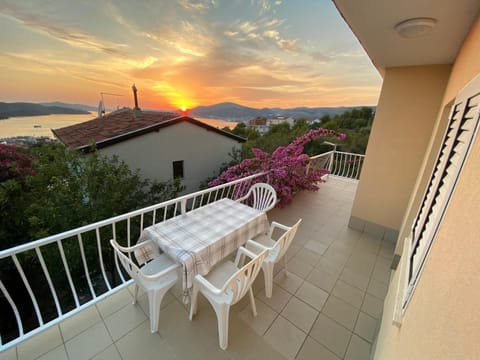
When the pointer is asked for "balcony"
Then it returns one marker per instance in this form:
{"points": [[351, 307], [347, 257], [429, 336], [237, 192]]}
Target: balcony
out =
{"points": [[328, 307]]}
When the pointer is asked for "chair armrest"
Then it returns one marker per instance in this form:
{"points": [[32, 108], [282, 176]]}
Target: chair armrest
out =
{"points": [[280, 226], [255, 246], [244, 252], [207, 285], [134, 247], [244, 197]]}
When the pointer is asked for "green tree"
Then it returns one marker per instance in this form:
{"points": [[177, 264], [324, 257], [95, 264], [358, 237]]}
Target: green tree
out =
{"points": [[69, 190]]}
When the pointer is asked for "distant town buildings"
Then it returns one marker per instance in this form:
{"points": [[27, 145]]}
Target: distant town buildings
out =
{"points": [[262, 124]]}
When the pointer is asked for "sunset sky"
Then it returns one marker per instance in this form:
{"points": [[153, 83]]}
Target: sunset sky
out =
{"points": [[256, 53]]}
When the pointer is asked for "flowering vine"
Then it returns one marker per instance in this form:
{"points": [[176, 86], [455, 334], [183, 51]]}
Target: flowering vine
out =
{"points": [[14, 164], [286, 167]]}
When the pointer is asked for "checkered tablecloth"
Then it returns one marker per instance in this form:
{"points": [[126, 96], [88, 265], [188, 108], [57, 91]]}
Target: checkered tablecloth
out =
{"points": [[202, 237]]}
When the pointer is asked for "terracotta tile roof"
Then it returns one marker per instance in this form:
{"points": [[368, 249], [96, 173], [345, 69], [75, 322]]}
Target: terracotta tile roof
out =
{"points": [[121, 125]]}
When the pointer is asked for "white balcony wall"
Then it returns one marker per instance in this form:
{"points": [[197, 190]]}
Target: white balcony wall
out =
{"points": [[442, 319], [406, 113]]}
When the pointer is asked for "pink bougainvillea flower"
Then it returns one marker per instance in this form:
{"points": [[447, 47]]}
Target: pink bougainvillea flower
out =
{"points": [[286, 167]]}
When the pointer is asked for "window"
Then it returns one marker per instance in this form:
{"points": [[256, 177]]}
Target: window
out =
{"points": [[178, 169], [462, 127]]}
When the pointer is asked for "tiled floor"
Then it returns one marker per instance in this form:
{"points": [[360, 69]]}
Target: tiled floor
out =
{"points": [[327, 308]]}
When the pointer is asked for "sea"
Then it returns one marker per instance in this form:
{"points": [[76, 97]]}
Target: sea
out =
{"points": [[40, 126]]}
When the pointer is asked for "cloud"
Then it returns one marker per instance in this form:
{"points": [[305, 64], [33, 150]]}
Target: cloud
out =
{"points": [[71, 36], [288, 45], [320, 57], [196, 5]]}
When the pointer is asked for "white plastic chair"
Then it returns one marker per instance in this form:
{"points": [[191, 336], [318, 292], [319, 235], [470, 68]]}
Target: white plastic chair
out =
{"points": [[155, 277], [277, 249], [263, 196], [225, 285]]}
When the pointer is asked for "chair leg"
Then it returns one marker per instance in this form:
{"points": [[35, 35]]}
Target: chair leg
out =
{"points": [[252, 302], [268, 274], [193, 301], [135, 293], [154, 303], [223, 312], [285, 267]]}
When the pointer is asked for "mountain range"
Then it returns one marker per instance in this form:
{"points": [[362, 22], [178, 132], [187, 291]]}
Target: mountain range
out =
{"points": [[234, 112], [224, 111], [8, 110]]}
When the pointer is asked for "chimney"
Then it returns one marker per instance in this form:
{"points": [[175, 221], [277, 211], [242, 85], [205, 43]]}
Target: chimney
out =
{"points": [[136, 109]]}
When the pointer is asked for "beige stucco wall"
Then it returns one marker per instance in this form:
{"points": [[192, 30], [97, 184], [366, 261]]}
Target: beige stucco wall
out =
{"points": [[406, 113], [442, 320], [202, 151]]}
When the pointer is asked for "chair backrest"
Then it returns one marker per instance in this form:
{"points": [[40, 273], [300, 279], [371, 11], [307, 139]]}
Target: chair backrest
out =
{"points": [[264, 196], [130, 267], [283, 243], [239, 283]]}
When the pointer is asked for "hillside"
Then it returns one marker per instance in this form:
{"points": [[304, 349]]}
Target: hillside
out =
{"points": [[234, 112], [8, 110]]}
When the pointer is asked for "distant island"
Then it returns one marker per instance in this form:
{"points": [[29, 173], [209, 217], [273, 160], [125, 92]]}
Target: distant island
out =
{"points": [[226, 111], [233, 112], [8, 110]]}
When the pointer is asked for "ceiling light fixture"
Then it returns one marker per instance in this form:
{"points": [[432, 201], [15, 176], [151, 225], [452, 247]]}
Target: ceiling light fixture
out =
{"points": [[415, 27]]}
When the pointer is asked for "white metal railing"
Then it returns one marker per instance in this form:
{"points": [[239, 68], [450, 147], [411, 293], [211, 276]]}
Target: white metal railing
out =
{"points": [[342, 164], [45, 281]]}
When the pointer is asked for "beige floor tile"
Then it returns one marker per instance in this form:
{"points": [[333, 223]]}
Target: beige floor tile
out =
{"points": [[311, 253], [124, 320], [192, 340], [174, 317], [115, 302], [110, 353], [381, 274], [358, 349], [59, 353], [322, 279], [348, 293], [40, 344], [372, 305], [366, 327], [89, 343], [263, 320], [377, 288], [300, 314], [285, 337], [340, 311], [331, 334], [79, 322], [278, 300], [299, 268], [312, 295], [10, 354], [291, 283], [313, 350], [353, 278], [329, 266], [245, 344], [142, 344]]}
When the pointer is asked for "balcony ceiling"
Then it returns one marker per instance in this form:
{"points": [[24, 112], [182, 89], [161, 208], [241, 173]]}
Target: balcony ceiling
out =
{"points": [[373, 22]]}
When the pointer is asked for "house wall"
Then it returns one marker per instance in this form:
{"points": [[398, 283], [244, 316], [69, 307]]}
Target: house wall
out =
{"points": [[404, 120], [202, 151], [442, 320]]}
